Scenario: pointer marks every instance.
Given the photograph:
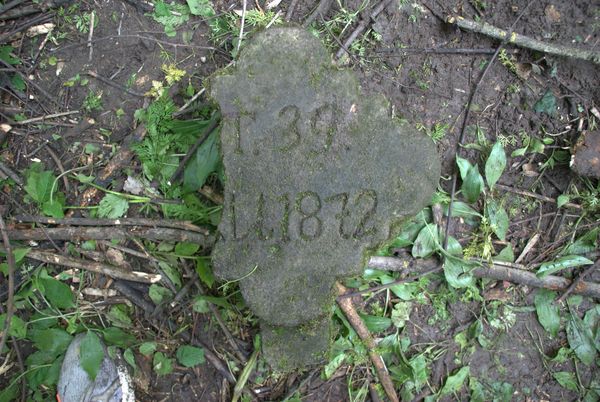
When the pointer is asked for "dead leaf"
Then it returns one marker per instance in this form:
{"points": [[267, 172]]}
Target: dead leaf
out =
{"points": [[40, 29], [523, 70], [552, 13], [115, 257], [530, 170]]}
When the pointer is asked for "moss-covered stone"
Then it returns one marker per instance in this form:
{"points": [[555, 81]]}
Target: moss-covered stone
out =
{"points": [[317, 174]]}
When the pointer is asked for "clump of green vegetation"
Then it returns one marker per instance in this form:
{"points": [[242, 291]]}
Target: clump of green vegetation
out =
{"points": [[92, 101], [225, 28]]}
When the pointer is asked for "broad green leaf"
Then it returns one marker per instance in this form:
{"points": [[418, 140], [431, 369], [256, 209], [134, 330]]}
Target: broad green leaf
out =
{"points": [[57, 293], [161, 364], [147, 348], [112, 207], [6, 56], [567, 380], [130, 358], [458, 272], [10, 392], [419, 370], [427, 242], [455, 381], [409, 230], [506, 254], [159, 293], [91, 354], [53, 208], [202, 164], [190, 356], [20, 253], [477, 390], [495, 164], [39, 184], [562, 200], [584, 244], [18, 328], [463, 167], [548, 268], [118, 337], [581, 340], [454, 247], [200, 306], [202, 8], [217, 301], [119, 317], [562, 355], [547, 311], [498, 218], [205, 272], [472, 184], [172, 273], [331, 367], [186, 248], [401, 313], [462, 210], [547, 104], [52, 341], [375, 323]]}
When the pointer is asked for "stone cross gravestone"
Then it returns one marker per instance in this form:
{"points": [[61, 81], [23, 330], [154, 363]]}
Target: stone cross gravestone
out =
{"points": [[317, 176]]}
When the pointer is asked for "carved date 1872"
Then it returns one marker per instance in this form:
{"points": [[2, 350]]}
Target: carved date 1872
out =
{"points": [[286, 217]]}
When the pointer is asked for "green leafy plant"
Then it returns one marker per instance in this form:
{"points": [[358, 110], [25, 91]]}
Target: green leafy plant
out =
{"points": [[42, 187]]}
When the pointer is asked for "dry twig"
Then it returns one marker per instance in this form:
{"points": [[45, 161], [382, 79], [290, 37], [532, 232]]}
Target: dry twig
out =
{"points": [[10, 260], [362, 331], [524, 41], [501, 273], [92, 266]]}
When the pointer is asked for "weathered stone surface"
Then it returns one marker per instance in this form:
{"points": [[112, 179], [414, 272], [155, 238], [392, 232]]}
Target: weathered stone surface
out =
{"points": [[316, 176]]}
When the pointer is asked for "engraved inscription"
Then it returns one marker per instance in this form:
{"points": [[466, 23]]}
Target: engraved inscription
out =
{"points": [[289, 130], [352, 216]]}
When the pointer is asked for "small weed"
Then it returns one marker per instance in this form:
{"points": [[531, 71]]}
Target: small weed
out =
{"points": [[93, 101], [82, 22], [507, 61]]}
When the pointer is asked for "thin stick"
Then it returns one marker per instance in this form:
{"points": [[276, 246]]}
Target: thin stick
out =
{"points": [[10, 173], [92, 266], [577, 281], [290, 10], [187, 104], [113, 84], [91, 35], [502, 273], [362, 331], [10, 260], [43, 118], [361, 27], [463, 127], [207, 132], [321, 10], [156, 223], [433, 50], [237, 50], [536, 196], [524, 41], [107, 233]]}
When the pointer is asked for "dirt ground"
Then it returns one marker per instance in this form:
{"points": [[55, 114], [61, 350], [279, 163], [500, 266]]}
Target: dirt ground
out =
{"points": [[427, 89]]}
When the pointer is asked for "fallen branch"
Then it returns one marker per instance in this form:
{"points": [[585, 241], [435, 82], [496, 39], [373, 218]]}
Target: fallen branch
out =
{"points": [[524, 41], [155, 223], [110, 82], [92, 266], [501, 273], [362, 331], [43, 118], [10, 260], [109, 233], [362, 25]]}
